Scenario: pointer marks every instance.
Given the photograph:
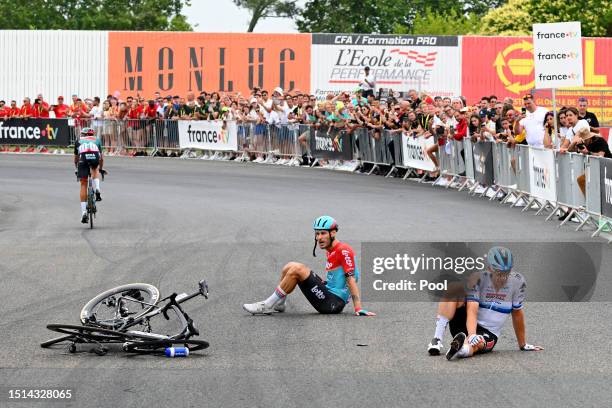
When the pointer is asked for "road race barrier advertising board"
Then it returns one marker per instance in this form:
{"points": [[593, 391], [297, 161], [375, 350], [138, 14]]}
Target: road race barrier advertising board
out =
{"points": [[178, 63], [35, 132], [543, 176], [400, 62], [557, 55], [331, 144], [414, 152], [482, 152], [605, 183], [208, 135]]}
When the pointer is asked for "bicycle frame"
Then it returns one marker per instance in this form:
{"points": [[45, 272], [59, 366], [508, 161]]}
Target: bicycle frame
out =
{"points": [[172, 303]]}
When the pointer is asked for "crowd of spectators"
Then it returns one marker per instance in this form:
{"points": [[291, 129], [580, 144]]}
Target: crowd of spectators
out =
{"points": [[418, 114]]}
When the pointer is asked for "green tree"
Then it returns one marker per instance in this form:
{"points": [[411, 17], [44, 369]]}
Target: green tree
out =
{"points": [[142, 15], [517, 16], [447, 23], [387, 16], [267, 9]]}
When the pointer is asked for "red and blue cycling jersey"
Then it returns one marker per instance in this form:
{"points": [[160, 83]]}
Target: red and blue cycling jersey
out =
{"points": [[340, 265]]}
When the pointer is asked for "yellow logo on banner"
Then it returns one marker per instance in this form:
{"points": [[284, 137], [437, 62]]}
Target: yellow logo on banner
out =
{"points": [[518, 67]]}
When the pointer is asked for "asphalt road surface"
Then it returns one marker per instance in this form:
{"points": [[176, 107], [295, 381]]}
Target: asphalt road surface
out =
{"points": [[171, 222]]}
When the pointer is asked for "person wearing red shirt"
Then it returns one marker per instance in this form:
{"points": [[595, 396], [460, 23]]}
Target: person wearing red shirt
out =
{"points": [[42, 107], [14, 110], [461, 128], [78, 109], [61, 109], [150, 112], [5, 111], [135, 113], [27, 110]]}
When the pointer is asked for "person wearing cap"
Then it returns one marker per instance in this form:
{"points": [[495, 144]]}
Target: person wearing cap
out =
{"points": [[329, 296], [588, 143], [476, 314], [583, 113], [60, 109]]}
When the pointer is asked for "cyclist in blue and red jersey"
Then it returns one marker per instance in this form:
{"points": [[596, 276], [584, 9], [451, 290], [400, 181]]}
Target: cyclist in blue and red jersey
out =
{"points": [[328, 297], [88, 158]]}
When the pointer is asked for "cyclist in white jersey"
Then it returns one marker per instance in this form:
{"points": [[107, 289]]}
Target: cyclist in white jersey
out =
{"points": [[88, 158], [475, 322]]}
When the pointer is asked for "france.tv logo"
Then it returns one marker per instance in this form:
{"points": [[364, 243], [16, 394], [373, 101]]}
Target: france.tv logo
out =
{"points": [[568, 34], [557, 56]]}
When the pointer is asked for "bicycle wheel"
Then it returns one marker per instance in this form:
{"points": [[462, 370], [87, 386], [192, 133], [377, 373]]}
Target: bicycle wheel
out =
{"points": [[85, 334], [159, 346], [90, 204], [112, 308]]}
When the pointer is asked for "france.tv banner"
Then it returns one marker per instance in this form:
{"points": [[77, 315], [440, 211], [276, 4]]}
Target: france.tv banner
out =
{"points": [[208, 135], [557, 55], [434, 271]]}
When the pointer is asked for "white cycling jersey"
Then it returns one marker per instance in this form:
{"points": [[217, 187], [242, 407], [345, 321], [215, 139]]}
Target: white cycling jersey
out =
{"points": [[495, 306]]}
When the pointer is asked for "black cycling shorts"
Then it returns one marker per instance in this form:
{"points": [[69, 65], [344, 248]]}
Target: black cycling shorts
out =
{"points": [[87, 161], [320, 297], [458, 325]]}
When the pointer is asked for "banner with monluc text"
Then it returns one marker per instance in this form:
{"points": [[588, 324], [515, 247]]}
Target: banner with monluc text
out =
{"points": [[399, 62], [208, 135], [543, 180], [414, 152], [35, 132]]}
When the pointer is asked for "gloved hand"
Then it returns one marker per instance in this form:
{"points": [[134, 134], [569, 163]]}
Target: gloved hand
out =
{"points": [[531, 347], [363, 312], [476, 339]]}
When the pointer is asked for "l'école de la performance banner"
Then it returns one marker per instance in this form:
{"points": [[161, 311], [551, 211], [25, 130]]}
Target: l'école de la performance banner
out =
{"points": [[605, 177], [399, 62], [543, 180], [331, 146], [483, 162], [208, 135], [414, 152], [35, 132]]}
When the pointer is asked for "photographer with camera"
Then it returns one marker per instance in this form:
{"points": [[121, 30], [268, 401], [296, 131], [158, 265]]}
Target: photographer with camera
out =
{"points": [[41, 107]]}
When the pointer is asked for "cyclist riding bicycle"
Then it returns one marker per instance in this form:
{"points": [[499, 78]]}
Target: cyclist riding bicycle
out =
{"points": [[476, 321], [88, 158], [327, 297]]}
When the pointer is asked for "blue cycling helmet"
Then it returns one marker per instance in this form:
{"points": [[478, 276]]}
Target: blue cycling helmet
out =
{"points": [[500, 259], [326, 223], [323, 223]]}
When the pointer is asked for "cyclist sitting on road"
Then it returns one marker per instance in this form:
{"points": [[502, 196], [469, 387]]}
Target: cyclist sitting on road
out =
{"points": [[480, 317], [325, 296], [88, 157]]}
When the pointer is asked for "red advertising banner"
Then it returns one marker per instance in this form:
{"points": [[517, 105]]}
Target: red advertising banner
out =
{"points": [[177, 63], [503, 66]]}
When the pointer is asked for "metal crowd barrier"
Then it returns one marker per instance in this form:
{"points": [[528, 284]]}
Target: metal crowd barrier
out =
{"points": [[125, 135]]}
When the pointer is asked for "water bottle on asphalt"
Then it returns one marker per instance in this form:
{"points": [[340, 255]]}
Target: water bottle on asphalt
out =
{"points": [[177, 351]]}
